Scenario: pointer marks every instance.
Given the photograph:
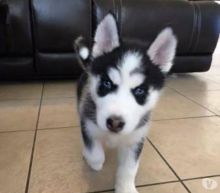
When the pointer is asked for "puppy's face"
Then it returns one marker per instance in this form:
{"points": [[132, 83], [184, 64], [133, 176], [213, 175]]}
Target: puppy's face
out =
{"points": [[125, 79]]}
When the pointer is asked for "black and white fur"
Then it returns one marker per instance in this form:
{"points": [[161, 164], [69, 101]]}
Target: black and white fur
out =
{"points": [[121, 83]]}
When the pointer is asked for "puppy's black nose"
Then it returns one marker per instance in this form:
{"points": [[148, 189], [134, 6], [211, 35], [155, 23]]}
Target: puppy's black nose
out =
{"points": [[115, 124]]}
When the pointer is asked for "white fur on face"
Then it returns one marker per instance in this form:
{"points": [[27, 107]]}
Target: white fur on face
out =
{"points": [[114, 75], [106, 36], [122, 102], [131, 62], [163, 49]]}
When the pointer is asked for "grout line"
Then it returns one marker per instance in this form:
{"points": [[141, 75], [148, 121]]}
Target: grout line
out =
{"points": [[52, 128], [139, 186], [58, 97], [192, 100], [102, 191], [159, 183], [77, 126], [16, 131], [20, 99], [156, 120], [187, 189], [201, 177], [34, 142], [36, 99]]}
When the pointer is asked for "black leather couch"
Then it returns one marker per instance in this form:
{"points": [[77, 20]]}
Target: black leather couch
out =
{"points": [[36, 35]]}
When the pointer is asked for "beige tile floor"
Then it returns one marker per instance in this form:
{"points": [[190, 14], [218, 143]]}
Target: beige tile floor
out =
{"points": [[40, 147]]}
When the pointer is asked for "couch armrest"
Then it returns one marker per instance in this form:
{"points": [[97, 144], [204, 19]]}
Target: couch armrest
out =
{"points": [[207, 27]]}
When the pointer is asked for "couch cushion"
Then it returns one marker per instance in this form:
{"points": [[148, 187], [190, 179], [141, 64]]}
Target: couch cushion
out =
{"points": [[58, 23], [17, 30]]}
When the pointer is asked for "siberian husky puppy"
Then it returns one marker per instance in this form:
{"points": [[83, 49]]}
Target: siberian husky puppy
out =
{"points": [[118, 90]]}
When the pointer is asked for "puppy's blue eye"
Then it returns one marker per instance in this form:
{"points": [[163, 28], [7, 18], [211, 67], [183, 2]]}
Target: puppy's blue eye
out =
{"points": [[139, 91], [107, 84]]}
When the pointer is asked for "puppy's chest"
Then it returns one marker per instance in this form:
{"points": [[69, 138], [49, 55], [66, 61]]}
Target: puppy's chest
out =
{"points": [[113, 141]]}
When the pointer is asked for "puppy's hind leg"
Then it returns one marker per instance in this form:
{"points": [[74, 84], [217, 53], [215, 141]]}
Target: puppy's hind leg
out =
{"points": [[127, 168], [93, 151]]}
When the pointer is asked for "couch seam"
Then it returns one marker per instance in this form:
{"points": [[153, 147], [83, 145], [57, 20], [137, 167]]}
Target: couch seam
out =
{"points": [[199, 23], [193, 27], [196, 27], [116, 11], [34, 36]]}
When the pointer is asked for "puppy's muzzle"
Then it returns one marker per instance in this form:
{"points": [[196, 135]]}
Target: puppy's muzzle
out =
{"points": [[115, 124]]}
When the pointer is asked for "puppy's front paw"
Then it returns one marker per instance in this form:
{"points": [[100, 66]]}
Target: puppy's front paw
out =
{"points": [[97, 166], [96, 163]]}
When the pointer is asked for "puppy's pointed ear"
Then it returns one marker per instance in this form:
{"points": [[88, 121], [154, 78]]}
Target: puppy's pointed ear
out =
{"points": [[82, 52], [162, 51], [106, 36]]}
